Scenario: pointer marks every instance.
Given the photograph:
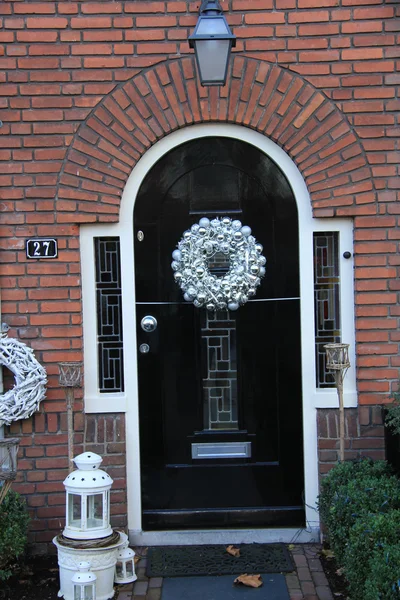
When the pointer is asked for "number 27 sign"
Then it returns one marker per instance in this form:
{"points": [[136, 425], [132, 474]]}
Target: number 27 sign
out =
{"points": [[41, 248]]}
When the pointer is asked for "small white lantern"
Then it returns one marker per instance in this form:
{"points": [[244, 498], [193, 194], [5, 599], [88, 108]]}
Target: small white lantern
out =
{"points": [[84, 582], [88, 499], [125, 567]]}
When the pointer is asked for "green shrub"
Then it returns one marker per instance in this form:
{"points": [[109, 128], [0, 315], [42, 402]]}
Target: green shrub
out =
{"points": [[383, 582], [370, 534], [14, 521], [392, 419], [343, 473], [356, 499]]}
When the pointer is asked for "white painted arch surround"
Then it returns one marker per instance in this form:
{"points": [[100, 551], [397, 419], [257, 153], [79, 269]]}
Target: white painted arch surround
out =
{"points": [[127, 402]]}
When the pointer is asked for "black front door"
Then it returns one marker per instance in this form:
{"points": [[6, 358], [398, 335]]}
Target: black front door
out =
{"points": [[219, 393]]}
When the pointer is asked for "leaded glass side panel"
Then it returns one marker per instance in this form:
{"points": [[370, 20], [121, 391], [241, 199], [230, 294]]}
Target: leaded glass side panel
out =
{"points": [[218, 333], [109, 314], [326, 301]]}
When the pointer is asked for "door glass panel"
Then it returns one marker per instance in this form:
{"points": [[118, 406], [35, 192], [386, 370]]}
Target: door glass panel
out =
{"points": [[326, 299], [109, 314], [219, 264], [218, 334]]}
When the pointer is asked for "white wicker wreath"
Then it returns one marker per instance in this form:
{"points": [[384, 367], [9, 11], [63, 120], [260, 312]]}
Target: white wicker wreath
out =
{"points": [[207, 241], [30, 381]]}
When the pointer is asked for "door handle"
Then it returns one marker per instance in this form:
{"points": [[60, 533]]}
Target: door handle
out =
{"points": [[148, 323]]}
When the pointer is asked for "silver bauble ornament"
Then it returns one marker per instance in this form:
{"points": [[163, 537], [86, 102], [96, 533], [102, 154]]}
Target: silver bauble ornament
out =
{"points": [[204, 222], [233, 305]]}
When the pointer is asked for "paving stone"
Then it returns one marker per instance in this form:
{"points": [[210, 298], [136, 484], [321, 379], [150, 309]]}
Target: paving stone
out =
{"points": [[312, 551], [154, 594], [324, 593], [308, 587], [314, 564], [155, 582], [320, 578], [296, 595], [304, 574], [125, 587], [138, 597], [300, 560], [125, 595], [292, 581], [140, 587], [141, 574]]}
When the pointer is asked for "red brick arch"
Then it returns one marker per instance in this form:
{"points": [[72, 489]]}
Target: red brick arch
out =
{"points": [[264, 97]]}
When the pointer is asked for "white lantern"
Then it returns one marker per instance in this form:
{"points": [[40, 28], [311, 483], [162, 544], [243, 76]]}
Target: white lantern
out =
{"points": [[125, 567], [84, 582], [88, 499]]}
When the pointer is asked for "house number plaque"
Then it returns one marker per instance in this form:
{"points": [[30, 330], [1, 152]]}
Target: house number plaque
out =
{"points": [[41, 248]]}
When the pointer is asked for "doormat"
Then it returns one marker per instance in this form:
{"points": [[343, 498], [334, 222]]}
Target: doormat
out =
{"points": [[183, 561], [222, 588]]}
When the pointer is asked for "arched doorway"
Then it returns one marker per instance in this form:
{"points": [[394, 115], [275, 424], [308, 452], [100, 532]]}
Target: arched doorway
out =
{"points": [[220, 394], [127, 402]]}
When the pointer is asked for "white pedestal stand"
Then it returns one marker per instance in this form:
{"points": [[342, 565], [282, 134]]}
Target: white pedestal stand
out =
{"points": [[102, 563]]}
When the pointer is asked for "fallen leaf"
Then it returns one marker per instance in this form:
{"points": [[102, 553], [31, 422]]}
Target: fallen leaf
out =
{"points": [[328, 553], [233, 551], [137, 559], [254, 581], [340, 571]]}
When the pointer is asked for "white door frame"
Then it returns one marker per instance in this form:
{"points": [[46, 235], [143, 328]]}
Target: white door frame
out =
{"points": [[128, 401]]}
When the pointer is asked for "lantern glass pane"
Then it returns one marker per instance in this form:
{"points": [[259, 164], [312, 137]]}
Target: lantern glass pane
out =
{"points": [[129, 568], [88, 594], [8, 456], [74, 510], [212, 56], [212, 26], [95, 511], [119, 569], [77, 592]]}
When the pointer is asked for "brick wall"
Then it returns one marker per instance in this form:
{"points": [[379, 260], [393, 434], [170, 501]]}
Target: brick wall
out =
{"points": [[364, 435], [86, 88]]}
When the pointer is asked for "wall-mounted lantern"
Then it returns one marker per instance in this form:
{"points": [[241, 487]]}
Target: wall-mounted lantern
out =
{"points": [[212, 41]]}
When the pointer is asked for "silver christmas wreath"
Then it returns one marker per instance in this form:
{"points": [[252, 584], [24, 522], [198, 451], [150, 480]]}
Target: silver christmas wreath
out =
{"points": [[200, 245], [30, 381]]}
